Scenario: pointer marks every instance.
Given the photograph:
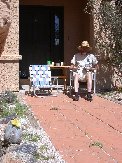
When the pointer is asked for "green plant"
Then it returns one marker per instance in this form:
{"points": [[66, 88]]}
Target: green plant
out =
{"points": [[41, 157], [107, 16], [31, 137], [20, 109], [43, 148], [96, 143], [10, 105], [8, 97], [120, 90], [54, 108], [37, 155], [4, 111]]}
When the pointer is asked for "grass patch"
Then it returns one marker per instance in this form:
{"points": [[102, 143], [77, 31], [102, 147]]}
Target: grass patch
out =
{"points": [[40, 154], [18, 109], [97, 144], [31, 137], [54, 108], [8, 97], [9, 104], [43, 148], [41, 157]]}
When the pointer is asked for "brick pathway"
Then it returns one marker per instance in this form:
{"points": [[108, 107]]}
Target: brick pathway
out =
{"points": [[79, 129]]}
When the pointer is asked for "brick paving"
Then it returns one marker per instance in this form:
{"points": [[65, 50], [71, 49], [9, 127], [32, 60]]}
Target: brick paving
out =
{"points": [[78, 129]]}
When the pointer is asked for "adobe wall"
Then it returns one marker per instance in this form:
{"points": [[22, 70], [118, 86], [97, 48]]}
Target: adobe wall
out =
{"points": [[105, 74], [9, 45], [76, 28]]}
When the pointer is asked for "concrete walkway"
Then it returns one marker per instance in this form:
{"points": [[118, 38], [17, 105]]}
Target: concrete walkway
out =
{"points": [[82, 131]]}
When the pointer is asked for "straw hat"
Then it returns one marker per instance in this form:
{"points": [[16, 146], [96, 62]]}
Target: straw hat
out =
{"points": [[84, 44]]}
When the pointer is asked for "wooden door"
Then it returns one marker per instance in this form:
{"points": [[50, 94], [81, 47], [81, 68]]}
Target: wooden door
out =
{"points": [[41, 37]]}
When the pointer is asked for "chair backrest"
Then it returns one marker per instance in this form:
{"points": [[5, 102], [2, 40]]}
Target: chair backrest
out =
{"points": [[40, 75]]}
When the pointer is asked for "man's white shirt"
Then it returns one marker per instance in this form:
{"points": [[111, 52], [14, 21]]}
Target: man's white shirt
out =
{"points": [[83, 61]]}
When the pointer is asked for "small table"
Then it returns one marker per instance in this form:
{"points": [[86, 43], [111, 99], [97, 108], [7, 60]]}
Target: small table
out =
{"points": [[64, 76]]}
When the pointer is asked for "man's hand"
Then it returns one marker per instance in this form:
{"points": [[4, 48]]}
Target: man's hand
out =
{"points": [[90, 68], [95, 67], [73, 67]]}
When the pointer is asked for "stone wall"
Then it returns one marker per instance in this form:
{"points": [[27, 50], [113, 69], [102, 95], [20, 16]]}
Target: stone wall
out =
{"points": [[9, 45]]}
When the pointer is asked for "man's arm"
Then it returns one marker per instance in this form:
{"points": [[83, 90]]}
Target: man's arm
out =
{"points": [[95, 67], [71, 67], [95, 64], [73, 61]]}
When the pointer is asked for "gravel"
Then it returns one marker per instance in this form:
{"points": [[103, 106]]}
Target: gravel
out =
{"points": [[114, 96], [36, 146]]}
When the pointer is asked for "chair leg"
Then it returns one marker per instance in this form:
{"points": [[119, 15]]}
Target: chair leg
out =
{"points": [[94, 82], [70, 90], [57, 84], [50, 91], [34, 92], [94, 86], [70, 85]]}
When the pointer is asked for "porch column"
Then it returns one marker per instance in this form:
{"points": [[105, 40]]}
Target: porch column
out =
{"points": [[9, 45]]}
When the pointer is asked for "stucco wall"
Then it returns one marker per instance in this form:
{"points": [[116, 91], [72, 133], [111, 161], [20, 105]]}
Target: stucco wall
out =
{"points": [[105, 74], [4, 24], [77, 27], [9, 75], [9, 45]]}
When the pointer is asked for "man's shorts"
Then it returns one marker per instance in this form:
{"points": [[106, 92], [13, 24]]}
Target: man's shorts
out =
{"points": [[82, 74], [82, 77]]}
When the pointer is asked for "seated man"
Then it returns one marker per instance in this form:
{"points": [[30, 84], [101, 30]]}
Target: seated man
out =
{"points": [[82, 64]]}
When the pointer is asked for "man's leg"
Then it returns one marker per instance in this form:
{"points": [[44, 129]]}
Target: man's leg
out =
{"points": [[89, 81], [76, 86], [89, 85]]}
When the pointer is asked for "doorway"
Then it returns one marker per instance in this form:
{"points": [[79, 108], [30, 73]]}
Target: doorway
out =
{"points": [[41, 36]]}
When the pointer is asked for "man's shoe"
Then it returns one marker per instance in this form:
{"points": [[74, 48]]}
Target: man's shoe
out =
{"points": [[76, 98], [89, 96]]}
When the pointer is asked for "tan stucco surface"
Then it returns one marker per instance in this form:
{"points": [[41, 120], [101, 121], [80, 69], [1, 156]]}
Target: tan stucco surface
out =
{"points": [[9, 45], [77, 27]]}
